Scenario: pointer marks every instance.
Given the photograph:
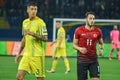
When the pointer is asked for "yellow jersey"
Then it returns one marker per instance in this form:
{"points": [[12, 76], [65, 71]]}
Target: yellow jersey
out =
{"points": [[33, 46], [61, 33]]}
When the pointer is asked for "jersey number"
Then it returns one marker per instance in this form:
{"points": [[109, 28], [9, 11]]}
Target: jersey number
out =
{"points": [[89, 42]]}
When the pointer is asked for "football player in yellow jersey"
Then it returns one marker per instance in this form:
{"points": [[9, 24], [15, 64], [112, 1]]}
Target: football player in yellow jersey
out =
{"points": [[60, 49], [34, 33]]}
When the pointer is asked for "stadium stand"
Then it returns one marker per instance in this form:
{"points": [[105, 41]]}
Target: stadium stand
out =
{"points": [[14, 12]]}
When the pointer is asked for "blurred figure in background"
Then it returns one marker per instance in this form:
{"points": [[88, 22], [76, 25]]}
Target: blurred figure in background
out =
{"points": [[68, 39], [115, 36], [60, 49]]}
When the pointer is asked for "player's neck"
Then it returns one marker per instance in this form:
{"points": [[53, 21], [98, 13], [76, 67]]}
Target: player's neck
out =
{"points": [[59, 27], [115, 29], [88, 27], [31, 18]]}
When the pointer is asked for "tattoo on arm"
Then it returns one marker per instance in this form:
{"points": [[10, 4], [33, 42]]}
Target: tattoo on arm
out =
{"points": [[41, 37]]}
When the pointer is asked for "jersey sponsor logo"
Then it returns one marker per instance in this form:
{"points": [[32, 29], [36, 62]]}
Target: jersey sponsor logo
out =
{"points": [[83, 34]]}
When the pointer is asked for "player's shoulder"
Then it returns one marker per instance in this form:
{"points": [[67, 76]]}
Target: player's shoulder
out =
{"points": [[80, 28], [96, 28], [26, 20], [61, 29], [112, 31], [39, 19]]}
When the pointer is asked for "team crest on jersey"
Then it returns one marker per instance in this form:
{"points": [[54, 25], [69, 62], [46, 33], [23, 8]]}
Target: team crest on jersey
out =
{"points": [[94, 35]]}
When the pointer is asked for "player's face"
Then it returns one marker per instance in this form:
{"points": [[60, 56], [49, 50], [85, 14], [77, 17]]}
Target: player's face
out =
{"points": [[32, 11], [58, 24], [115, 27], [90, 20]]}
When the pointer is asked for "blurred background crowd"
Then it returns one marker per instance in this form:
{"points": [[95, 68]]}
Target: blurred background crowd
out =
{"points": [[14, 11]]}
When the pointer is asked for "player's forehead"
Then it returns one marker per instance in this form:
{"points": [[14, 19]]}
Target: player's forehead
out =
{"points": [[91, 16], [32, 7], [58, 23]]}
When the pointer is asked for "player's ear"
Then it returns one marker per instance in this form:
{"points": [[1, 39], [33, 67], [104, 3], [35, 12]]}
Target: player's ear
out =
{"points": [[27, 9], [85, 19]]}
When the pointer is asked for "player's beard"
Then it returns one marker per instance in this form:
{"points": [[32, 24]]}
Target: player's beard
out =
{"points": [[90, 25]]}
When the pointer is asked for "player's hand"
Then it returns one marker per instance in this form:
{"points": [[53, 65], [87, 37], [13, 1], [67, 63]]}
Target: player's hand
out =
{"points": [[101, 52], [112, 42], [52, 44], [59, 47], [17, 58], [27, 32], [83, 50]]}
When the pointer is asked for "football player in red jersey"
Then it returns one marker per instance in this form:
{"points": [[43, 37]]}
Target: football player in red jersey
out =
{"points": [[85, 40]]}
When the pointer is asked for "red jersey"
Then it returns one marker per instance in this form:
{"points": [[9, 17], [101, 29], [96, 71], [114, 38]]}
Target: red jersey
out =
{"points": [[87, 39]]}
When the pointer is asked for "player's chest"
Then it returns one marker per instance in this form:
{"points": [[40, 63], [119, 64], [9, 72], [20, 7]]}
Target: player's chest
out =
{"points": [[61, 33], [32, 26], [89, 35], [116, 33]]}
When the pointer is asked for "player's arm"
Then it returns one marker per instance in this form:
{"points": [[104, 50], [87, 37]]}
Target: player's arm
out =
{"points": [[75, 44], [40, 37], [21, 49], [76, 47], [53, 43], [43, 33], [111, 37], [101, 46]]}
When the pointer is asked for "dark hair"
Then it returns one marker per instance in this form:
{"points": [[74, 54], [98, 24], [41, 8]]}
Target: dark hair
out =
{"points": [[31, 4], [58, 21], [86, 15]]}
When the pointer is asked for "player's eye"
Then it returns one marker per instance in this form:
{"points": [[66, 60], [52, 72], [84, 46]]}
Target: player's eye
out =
{"points": [[31, 8], [35, 9], [91, 18]]}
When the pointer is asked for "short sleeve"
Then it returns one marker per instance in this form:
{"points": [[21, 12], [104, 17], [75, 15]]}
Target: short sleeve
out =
{"points": [[100, 34], [61, 33], [76, 34], [111, 36], [23, 28], [43, 29]]}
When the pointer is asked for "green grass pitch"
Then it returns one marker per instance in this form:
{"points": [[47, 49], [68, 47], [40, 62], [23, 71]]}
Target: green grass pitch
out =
{"points": [[110, 70]]}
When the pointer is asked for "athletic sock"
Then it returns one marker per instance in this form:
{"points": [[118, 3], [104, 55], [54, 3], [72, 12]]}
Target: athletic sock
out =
{"points": [[54, 64], [67, 64]]}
